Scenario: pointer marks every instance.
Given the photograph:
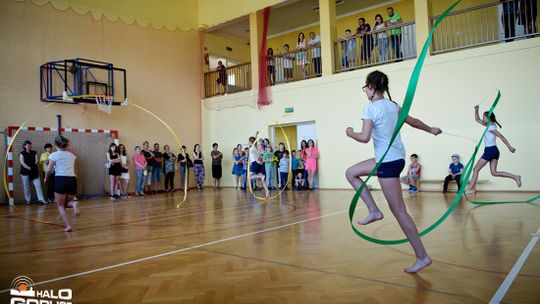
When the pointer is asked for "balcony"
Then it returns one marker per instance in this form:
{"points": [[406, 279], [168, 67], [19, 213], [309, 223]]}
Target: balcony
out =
{"points": [[485, 24]]}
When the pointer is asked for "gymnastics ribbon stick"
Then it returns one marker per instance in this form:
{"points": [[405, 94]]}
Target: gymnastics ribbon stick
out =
{"points": [[177, 141]]}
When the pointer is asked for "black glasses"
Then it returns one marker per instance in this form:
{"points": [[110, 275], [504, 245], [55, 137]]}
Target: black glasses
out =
{"points": [[364, 88]]}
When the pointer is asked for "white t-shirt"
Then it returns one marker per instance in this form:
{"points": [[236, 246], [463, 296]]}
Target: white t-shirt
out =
{"points": [[316, 52], [64, 163], [384, 114], [489, 138], [252, 154]]}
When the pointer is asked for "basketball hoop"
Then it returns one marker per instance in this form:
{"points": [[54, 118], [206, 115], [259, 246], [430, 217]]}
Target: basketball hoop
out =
{"points": [[104, 103]]}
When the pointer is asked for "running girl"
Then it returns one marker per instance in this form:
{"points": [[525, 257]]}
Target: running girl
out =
{"points": [[65, 181], [379, 120], [491, 152]]}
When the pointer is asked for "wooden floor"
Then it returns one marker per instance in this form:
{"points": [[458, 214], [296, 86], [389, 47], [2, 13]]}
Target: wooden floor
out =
{"points": [[299, 249]]}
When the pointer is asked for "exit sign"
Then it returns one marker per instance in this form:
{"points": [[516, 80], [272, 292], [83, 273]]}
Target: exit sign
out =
{"points": [[289, 110]]}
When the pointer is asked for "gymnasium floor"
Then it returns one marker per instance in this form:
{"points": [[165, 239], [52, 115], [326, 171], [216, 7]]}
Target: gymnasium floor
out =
{"points": [[299, 249]]}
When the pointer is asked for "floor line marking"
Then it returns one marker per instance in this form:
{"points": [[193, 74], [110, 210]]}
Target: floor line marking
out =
{"points": [[183, 249], [503, 289]]}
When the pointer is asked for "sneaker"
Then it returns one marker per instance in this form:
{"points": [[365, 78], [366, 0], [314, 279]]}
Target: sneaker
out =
{"points": [[27, 203], [43, 202], [113, 197], [142, 193]]}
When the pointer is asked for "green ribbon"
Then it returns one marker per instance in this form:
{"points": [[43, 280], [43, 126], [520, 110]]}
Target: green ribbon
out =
{"points": [[404, 113]]}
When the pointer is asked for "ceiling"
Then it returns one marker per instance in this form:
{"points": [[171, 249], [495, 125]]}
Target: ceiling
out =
{"points": [[289, 15]]}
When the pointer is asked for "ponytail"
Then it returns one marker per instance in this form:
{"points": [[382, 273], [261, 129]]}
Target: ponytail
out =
{"points": [[492, 118], [388, 92]]}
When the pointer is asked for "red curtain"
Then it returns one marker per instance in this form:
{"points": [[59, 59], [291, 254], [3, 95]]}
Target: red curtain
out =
{"points": [[264, 97]]}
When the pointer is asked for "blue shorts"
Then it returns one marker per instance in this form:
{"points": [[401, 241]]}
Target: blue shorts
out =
{"points": [[156, 174], [257, 168], [491, 153], [391, 169]]}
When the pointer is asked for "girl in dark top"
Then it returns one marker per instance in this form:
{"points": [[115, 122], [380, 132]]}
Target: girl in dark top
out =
{"points": [[185, 163], [198, 166], [168, 168], [29, 173], [115, 169], [217, 171]]}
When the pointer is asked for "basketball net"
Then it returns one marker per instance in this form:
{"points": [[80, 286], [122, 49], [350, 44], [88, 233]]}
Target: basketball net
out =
{"points": [[104, 103]]}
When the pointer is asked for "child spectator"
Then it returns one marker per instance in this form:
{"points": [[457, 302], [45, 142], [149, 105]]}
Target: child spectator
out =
{"points": [[454, 173], [44, 160], [294, 164], [237, 167], [268, 159], [348, 45], [299, 182], [413, 174], [287, 63], [245, 165], [284, 170]]}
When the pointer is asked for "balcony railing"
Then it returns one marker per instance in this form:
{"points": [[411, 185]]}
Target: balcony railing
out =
{"points": [[389, 44], [485, 24], [294, 66], [233, 79]]}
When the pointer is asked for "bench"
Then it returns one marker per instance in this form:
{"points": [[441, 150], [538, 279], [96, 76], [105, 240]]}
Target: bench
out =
{"points": [[451, 187]]}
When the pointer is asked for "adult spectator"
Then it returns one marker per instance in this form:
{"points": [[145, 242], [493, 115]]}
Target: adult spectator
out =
{"points": [[382, 38], [394, 20], [367, 40], [149, 156], [217, 170], [315, 44], [30, 173], [185, 163], [222, 78], [158, 168], [301, 55], [169, 167]]}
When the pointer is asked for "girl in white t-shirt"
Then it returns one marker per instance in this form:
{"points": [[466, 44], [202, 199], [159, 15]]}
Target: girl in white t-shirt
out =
{"points": [[379, 120], [65, 181], [491, 152]]}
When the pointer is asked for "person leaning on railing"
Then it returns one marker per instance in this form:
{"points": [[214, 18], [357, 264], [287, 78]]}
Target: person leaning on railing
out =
{"points": [[301, 59], [394, 20], [348, 46], [367, 39], [382, 40], [287, 63], [315, 43]]}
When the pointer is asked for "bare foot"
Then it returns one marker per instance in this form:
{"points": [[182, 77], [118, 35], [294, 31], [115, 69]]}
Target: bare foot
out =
{"points": [[418, 265], [76, 209], [372, 217], [68, 229], [518, 181]]}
